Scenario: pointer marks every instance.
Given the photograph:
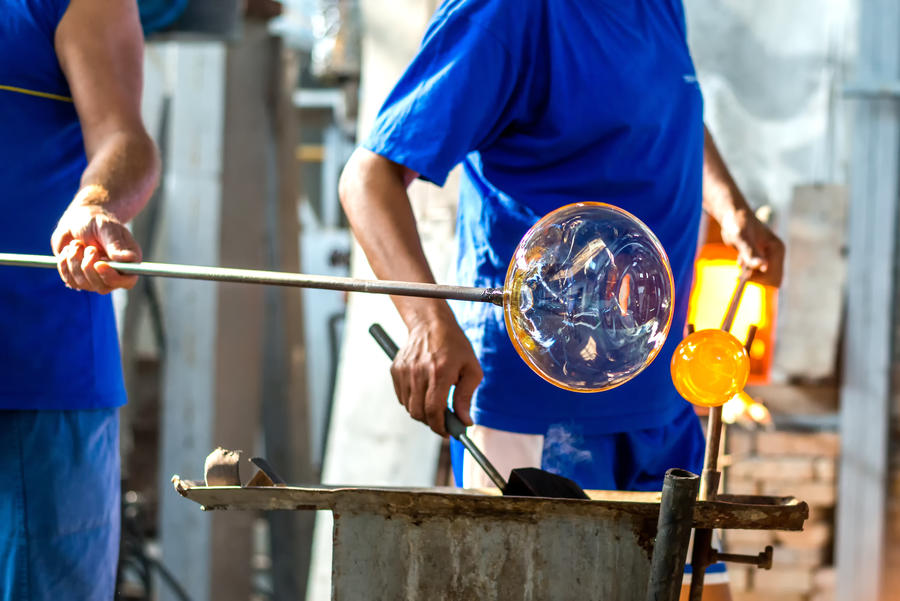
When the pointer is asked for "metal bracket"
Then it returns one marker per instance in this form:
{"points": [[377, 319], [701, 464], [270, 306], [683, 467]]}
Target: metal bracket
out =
{"points": [[762, 560]]}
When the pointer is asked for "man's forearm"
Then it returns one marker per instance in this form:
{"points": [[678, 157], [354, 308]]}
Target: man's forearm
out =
{"points": [[121, 174], [721, 197], [373, 194], [759, 250]]}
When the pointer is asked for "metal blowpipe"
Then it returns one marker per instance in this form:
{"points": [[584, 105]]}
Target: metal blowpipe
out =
{"points": [[278, 278]]}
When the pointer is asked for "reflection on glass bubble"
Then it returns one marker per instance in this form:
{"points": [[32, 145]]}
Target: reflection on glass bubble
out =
{"points": [[588, 297]]}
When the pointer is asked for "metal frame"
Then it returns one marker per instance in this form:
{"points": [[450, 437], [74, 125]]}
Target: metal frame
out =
{"points": [[870, 320]]}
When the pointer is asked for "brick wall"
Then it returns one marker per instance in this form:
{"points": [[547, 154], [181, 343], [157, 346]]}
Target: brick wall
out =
{"points": [[800, 464]]}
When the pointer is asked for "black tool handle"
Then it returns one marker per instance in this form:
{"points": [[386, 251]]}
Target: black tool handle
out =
{"points": [[384, 340], [453, 424]]}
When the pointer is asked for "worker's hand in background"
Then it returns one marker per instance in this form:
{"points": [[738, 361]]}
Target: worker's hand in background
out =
{"points": [[86, 236], [759, 249], [437, 355]]}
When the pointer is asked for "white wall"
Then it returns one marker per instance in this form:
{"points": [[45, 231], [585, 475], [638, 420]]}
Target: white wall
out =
{"points": [[771, 72]]}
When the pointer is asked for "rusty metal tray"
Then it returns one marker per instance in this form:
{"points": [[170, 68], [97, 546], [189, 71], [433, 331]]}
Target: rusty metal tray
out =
{"points": [[742, 512]]}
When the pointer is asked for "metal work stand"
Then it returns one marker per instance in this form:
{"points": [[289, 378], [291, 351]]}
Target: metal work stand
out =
{"points": [[703, 554], [673, 534]]}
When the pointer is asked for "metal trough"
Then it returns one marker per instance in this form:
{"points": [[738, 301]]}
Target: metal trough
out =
{"points": [[452, 544]]}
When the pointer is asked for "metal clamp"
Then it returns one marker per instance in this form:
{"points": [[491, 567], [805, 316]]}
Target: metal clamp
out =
{"points": [[762, 560]]}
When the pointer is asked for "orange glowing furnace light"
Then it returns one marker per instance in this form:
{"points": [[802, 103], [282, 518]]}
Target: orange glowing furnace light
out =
{"points": [[716, 273]]}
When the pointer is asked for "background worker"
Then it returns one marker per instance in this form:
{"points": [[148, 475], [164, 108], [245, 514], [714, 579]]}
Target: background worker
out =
{"points": [[546, 103], [76, 165]]}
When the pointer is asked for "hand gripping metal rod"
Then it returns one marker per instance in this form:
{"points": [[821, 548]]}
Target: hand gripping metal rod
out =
{"points": [[279, 278], [453, 424]]}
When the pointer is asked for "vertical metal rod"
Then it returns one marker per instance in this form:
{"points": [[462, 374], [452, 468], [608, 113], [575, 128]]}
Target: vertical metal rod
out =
{"points": [[699, 561], [709, 484], [673, 534], [735, 300]]}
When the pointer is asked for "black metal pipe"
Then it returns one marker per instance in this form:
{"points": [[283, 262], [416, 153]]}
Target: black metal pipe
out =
{"points": [[700, 560], [673, 534], [278, 278]]}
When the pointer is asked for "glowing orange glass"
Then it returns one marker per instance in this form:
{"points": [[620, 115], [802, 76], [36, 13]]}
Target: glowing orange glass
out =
{"points": [[709, 367]]}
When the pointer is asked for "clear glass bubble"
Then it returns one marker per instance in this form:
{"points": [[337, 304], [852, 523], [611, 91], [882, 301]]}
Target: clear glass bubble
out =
{"points": [[709, 367], [588, 298]]}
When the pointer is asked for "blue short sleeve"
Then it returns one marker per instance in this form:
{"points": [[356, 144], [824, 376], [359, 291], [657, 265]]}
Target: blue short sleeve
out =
{"points": [[455, 97], [49, 13]]}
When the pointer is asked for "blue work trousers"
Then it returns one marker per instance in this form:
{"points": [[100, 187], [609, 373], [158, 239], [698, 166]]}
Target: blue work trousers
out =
{"points": [[59, 505]]}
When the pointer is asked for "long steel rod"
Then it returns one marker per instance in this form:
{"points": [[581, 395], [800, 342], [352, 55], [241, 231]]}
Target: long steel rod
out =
{"points": [[278, 278], [709, 482]]}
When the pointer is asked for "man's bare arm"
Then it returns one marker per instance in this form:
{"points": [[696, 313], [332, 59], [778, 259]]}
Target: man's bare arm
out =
{"points": [[758, 248], [100, 49], [437, 355]]}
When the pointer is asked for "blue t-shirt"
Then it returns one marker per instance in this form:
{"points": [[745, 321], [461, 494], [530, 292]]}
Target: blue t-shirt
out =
{"points": [[546, 103], [58, 347]]}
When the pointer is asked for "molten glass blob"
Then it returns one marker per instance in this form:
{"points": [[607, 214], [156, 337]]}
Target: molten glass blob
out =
{"points": [[588, 297], [709, 367]]}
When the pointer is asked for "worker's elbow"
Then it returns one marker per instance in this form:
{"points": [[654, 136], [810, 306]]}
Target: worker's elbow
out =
{"points": [[370, 178], [362, 172], [147, 153], [155, 164], [348, 183]]}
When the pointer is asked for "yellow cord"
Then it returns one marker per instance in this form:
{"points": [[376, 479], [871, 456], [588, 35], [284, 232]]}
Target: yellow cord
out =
{"points": [[35, 93]]}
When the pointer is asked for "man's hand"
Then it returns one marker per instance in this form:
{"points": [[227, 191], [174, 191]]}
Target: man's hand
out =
{"points": [[759, 250], [437, 356], [100, 48], [86, 236]]}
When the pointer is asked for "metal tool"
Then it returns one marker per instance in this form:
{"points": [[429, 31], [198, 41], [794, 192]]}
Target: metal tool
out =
{"points": [[523, 482], [453, 424], [278, 278], [703, 554]]}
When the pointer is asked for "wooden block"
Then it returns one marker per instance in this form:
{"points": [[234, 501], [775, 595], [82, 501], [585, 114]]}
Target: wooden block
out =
{"points": [[792, 469], [813, 536], [809, 324], [816, 444], [783, 580]]}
